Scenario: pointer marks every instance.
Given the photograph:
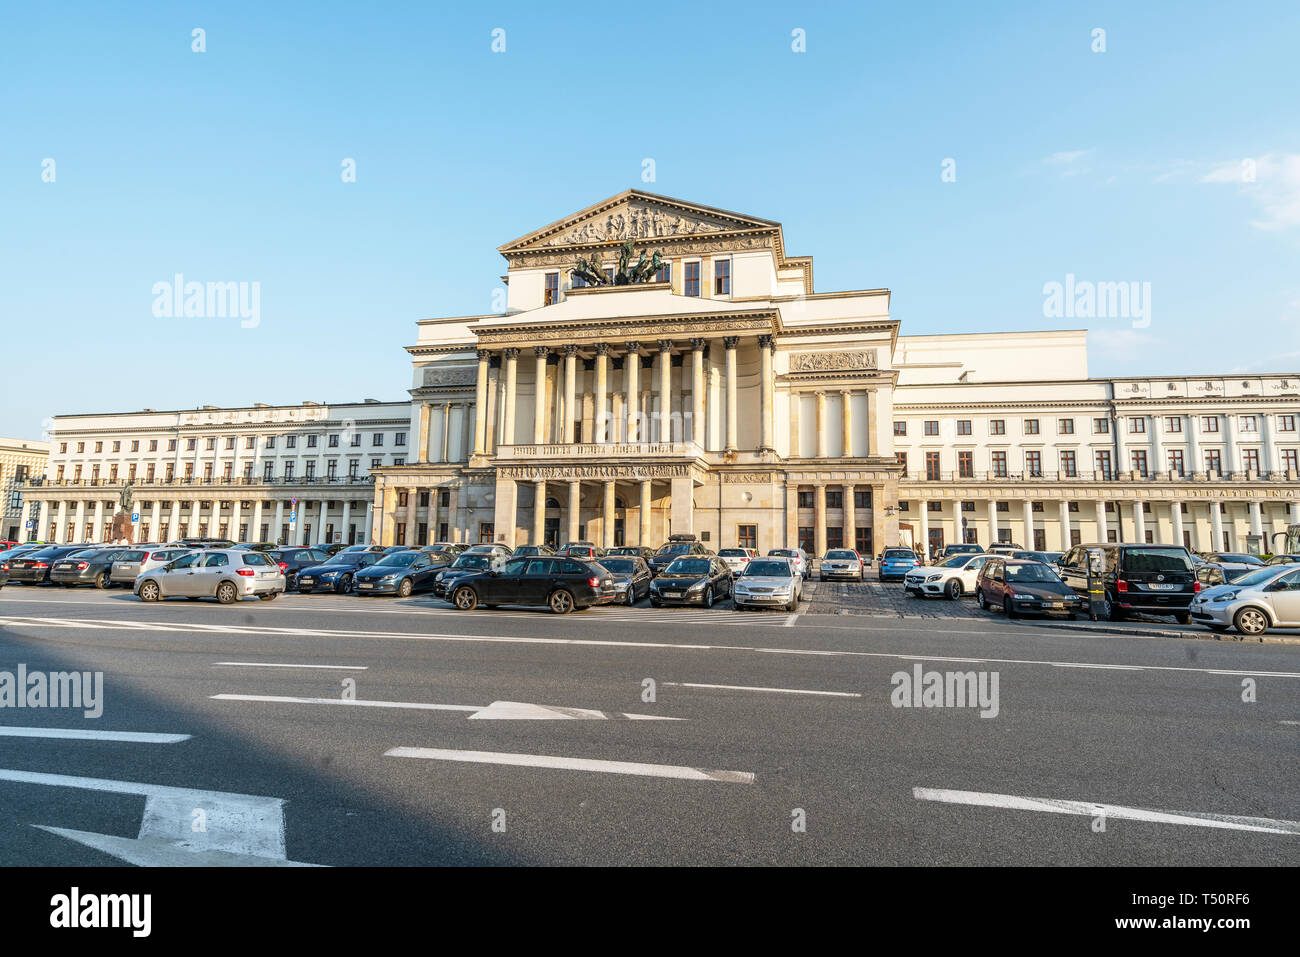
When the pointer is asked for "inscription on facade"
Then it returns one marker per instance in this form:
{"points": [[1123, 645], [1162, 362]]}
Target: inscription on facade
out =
{"points": [[833, 361], [461, 375], [625, 472]]}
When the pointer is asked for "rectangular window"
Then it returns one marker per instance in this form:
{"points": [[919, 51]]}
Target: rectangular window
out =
{"points": [[334, 440], [150, 471], [1104, 465], [1031, 426], [1176, 462], [862, 497], [963, 427], [747, 536], [270, 441], [932, 466], [99, 446], [117, 446], [1209, 423], [153, 445], [805, 499], [932, 427], [834, 536], [966, 464], [997, 427], [1101, 426], [863, 541], [1173, 423], [835, 498], [691, 283], [250, 442], [1250, 459], [552, 292], [191, 445], [288, 471], [377, 440], [1034, 464], [807, 541], [1289, 460], [210, 445], [1249, 423], [722, 277], [1137, 425], [310, 469], [356, 440], [230, 442], [664, 273], [291, 441], [1000, 464], [1213, 461], [399, 439], [1286, 423], [1065, 426], [268, 471], [901, 459], [900, 428], [1140, 462], [1069, 465], [312, 441]]}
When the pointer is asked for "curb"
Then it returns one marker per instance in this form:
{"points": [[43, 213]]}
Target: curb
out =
{"points": [[1204, 635]]}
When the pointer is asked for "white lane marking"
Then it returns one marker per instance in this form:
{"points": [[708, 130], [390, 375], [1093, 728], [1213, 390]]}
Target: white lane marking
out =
{"points": [[267, 664], [237, 630], [247, 825], [522, 711], [830, 694], [573, 764], [1231, 822], [1289, 722], [1080, 664], [350, 702], [84, 734]]}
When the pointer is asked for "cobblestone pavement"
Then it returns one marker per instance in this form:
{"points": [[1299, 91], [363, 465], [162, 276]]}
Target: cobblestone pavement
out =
{"points": [[876, 600]]}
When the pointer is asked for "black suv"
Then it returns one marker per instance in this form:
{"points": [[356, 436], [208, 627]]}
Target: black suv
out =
{"points": [[677, 546], [562, 583], [1157, 579]]}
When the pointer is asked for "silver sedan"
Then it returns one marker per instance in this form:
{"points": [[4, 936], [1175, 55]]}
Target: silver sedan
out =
{"points": [[1254, 603], [767, 583]]}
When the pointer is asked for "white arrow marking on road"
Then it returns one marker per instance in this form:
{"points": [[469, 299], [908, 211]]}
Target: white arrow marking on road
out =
{"points": [[350, 702], [244, 829], [573, 764], [1119, 812], [84, 734], [519, 710]]}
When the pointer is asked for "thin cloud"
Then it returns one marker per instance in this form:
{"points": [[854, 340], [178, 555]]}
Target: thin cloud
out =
{"points": [[1271, 182], [1069, 162]]}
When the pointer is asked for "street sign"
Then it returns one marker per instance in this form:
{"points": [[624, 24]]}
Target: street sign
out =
{"points": [[293, 517], [293, 501], [31, 523], [135, 516]]}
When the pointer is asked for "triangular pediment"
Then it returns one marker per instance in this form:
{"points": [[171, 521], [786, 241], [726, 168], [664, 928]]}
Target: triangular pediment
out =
{"points": [[640, 216]]}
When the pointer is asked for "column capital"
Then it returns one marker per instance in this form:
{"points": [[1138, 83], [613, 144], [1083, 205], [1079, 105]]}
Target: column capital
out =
{"points": [[602, 348], [767, 342], [665, 345], [483, 355], [541, 352], [846, 392], [633, 346], [730, 342], [699, 345], [570, 350], [511, 353]]}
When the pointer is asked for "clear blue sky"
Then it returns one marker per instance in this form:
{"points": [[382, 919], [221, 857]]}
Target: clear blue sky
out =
{"points": [[225, 166]]}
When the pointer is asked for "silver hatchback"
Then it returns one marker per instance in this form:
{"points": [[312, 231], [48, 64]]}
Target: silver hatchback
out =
{"points": [[226, 574], [1254, 603], [134, 562]]}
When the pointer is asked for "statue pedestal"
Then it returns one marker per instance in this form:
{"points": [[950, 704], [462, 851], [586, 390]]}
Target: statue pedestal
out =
{"points": [[122, 531]]}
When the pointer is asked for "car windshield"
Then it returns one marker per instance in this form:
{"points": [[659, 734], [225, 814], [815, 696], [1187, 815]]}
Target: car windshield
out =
{"points": [[85, 553], [131, 556], [401, 559], [343, 558], [689, 566], [767, 569], [1030, 573], [472, 561], [898, 553], [1031, 556], [679, 548], [1157, 560], [1261, 576], [956, 561], [620, 566], [1241, 559], [732, 553], [842, 554]]}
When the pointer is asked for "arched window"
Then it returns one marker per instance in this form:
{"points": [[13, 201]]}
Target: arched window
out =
{"points": [[552, 503]]}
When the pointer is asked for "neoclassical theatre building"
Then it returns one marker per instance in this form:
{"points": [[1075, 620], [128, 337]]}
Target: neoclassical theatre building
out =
{"points": [[664, 368], [713, 391]]}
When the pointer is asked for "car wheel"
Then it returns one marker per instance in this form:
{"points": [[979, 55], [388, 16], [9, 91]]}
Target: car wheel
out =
{"points": [[149, 592], [268, 597], [1251, 621], [1007, 609], [101, 580], [404, 589], [1110, 611], [708, 597], [345, 585], [954, 588], [561, 602], [983, 602], [464, 598], [226, 593], [631, 597]]}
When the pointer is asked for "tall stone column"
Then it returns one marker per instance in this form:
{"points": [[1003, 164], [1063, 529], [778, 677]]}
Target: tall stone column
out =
{"points": [[698, 423], [1193, 425], [1029, 524], [196, 512], [24, 517], [993, 521], [279, 521], [61, 523], [412, 500], [819, 520], [730, 342], [1139, 522], [1103, 525], [682, 517], [98, 522], [570, 391], [444, 454], [505, 517], [1065, 525], [823, 426], [767, 402], [846, 423], [236, 508], [607, 522], [796, 410], [1176, 519], [575, 508], [423, 438], [600, 416], [646, 499], [850, 518], [453, 516], [539, 397], [539, 512], [344, 531], [155, 521], [254, 533], [632, 388], [924, 544], [512, 375], [1257, 522], [481, 403], [368, 533], [665, 389]]}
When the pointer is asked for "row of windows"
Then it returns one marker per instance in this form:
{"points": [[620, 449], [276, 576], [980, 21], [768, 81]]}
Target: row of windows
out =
{"points": [[690, 280], [334, 440], [150, 471], [1102, 460], [1137, 425]]}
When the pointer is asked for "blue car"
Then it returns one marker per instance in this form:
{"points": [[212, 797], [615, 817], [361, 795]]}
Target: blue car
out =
{"points": [[896, 563]]}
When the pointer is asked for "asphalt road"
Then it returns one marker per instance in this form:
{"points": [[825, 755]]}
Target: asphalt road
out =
{"points": [[545, 748]]}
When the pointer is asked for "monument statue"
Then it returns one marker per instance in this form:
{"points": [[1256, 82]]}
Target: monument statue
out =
{"points": [[592, 271]]}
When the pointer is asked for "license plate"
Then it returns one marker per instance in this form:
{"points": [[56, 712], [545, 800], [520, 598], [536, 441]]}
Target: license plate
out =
{"points": [[1056, 604], [673, 594], [365, 585], [1164, 587], [306, 581]]}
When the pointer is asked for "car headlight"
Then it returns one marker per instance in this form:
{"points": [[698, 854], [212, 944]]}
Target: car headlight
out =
{"points": [[392, 576], [934, 578], [1227, 596], [698, 586], [1018, 596], [324, 575], [438, 577]]}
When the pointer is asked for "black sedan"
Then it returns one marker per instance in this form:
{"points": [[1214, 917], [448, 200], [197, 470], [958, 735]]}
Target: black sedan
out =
{"points": [[335, 575], [90, 566], [631, 577], [34, 567], [294, 560], [463, 565], [562, 584], [696, 580], [637, 551], [401, 573]]}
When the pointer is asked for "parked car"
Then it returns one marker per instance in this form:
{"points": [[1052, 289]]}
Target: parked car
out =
{"points": [[294, 559], [584, 550], [1274, 560], [630, 577], [1047, 558], [134, 562], [489, 549], [798, 558], [331, 548], [1022, 587], [1268, 597], [256, 546], [691, 580], [642, 551], [953, 577], [34, 568], [737, 558], [560, 583], [1004, 548], [1211, 576], [1157, 579], [464, 565], [970, 548], [454, 547], [841, 563], [1233, 561], [767, 583], [895, 563], [676, 547], [4, 571], [335, 574], [226, 574], [526, 551], [401, 573], [204, 542], [19, 550], [91, 566]]}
